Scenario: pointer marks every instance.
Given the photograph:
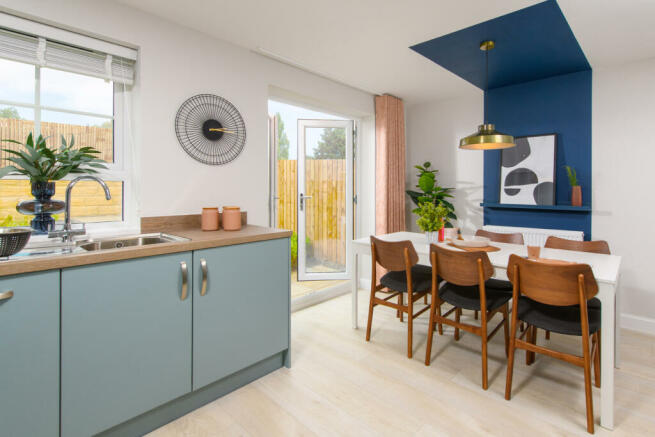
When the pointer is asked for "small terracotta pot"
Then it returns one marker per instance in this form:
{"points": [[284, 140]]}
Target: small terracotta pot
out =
{"points": [[231, 218], [209, 219], [576, 196]]}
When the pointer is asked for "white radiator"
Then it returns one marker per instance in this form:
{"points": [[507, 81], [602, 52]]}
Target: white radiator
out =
{"points": [[536, 236]]}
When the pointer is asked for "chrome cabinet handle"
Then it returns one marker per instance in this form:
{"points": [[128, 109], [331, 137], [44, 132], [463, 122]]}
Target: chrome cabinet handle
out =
{"points": [[6, 295], [203, 267], [185, 280]]}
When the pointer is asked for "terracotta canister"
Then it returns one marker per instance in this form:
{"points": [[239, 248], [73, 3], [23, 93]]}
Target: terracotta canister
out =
{"points": [[576, 196], [231, 218], [209, 219]]}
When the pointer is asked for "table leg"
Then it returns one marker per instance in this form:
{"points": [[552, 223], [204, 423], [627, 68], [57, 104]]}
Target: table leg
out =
{"points": [[617, 325], [607, 294], [354, 286]]}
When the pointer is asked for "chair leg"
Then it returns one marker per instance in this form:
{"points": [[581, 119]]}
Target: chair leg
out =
{"points": [[485, 377], [370, 317], [532, 338], [505, 312], [440, 324], [587, 384], [410, 324], [431, 327], [458, 313], [547, 335], [597, 359], [400, 302], [510, 363], [475, 315], [425, 299]]}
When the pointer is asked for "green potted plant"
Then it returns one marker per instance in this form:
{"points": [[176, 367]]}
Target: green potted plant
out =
{"points": [[431, 192], [43, 166], [431, 220], [576, 190]]}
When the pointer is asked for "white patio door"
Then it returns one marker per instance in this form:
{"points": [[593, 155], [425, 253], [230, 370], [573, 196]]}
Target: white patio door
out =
{"points": [[325, 198]]}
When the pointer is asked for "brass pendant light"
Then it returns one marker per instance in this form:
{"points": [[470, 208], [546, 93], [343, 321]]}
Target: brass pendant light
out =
{"points": [[487, 138]]}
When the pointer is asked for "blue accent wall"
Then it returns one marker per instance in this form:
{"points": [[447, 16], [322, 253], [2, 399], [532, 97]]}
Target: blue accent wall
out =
{"points": [[561, 105]]}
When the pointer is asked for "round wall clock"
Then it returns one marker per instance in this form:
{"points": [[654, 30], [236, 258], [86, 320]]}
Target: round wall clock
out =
{"points": [[210, 129]]}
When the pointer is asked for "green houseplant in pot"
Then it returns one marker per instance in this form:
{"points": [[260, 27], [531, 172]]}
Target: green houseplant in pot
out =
{"points": [[43, 166], [431, 192], [576, 190], [431, 219]]}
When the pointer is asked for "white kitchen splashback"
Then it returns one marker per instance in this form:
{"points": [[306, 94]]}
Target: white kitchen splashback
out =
{"points": [[536, 236]]}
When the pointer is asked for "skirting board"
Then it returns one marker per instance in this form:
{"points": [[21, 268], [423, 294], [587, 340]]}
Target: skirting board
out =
{"points": [[645, 325]]}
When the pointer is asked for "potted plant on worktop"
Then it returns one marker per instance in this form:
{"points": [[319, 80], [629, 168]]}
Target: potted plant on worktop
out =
{"points": [[431, 192], [576, 190], [43, 166]]}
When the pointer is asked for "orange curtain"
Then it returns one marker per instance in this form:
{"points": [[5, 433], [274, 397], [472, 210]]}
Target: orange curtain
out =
{"points": [[389, 165]]}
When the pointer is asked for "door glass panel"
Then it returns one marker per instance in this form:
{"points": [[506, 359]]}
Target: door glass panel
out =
{"points": [[325, 210]]}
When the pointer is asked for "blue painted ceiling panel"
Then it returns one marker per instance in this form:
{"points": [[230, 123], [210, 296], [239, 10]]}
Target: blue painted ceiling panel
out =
{"points": [[531, 44]]}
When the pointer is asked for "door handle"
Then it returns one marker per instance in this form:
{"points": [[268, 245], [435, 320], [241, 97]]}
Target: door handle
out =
{"points": [[185, 280], [203, 267], [302, 201], [6, 295]]}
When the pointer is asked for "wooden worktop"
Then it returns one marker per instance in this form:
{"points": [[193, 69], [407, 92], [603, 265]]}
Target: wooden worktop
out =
{"points": [[197, 240]]}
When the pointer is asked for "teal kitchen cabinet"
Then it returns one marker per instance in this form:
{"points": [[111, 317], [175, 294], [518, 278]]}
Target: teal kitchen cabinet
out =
{"points": [[125, 340], [29, 355], [241, 309]]}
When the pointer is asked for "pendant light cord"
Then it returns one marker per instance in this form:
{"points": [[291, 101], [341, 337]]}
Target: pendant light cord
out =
{"points": [[486, 85]]}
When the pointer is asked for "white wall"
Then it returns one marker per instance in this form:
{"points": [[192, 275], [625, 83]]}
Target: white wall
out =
{"points": [[433, 133], [176, 63], [623, 202]]}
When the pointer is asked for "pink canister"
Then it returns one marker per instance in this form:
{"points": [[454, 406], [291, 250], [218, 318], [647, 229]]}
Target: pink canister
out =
{"points": [[231, 218], [209, 219]]}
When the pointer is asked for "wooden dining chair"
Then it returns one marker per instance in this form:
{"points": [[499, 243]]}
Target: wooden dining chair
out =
{"points": [[598, 246], [468, 286], [556, 298], [499, 237], [404, 276]]}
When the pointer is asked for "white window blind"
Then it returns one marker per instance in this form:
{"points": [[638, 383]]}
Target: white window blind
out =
{"points": [[40, 51]]}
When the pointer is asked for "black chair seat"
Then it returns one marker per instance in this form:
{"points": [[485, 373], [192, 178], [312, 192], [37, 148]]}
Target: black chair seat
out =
{"points": [[499, 284], [397, 281], [564, 320], [468, 297]]}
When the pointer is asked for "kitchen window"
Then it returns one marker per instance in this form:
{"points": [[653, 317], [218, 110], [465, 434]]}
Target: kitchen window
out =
{"points": [[52, 89]]}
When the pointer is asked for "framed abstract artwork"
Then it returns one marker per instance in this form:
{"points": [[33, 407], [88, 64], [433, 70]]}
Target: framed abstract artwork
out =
{"points": [[527, 171]]}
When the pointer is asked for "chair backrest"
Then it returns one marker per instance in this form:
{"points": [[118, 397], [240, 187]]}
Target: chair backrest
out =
{"points": [[460, 267], [391, 254], [598, 246], [552, 284], [499, 237]]}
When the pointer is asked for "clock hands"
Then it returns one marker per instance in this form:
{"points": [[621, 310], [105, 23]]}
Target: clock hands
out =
{"points": [[221, 129]]}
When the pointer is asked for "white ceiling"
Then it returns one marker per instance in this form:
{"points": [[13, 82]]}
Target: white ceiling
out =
{"points": [[364, 43]]}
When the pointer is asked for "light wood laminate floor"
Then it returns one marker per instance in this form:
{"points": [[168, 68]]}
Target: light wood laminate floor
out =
{"points": [[341, 385]]}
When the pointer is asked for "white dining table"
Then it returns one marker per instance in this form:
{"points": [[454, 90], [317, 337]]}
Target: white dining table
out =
{"points": [[606, 269]]}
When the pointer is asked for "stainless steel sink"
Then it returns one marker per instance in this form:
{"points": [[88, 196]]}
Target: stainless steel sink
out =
{"points": [[131, 241]]}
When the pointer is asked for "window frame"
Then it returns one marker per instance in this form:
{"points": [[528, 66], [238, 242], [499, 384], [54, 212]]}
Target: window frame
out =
{"points": [[118, 170]]}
